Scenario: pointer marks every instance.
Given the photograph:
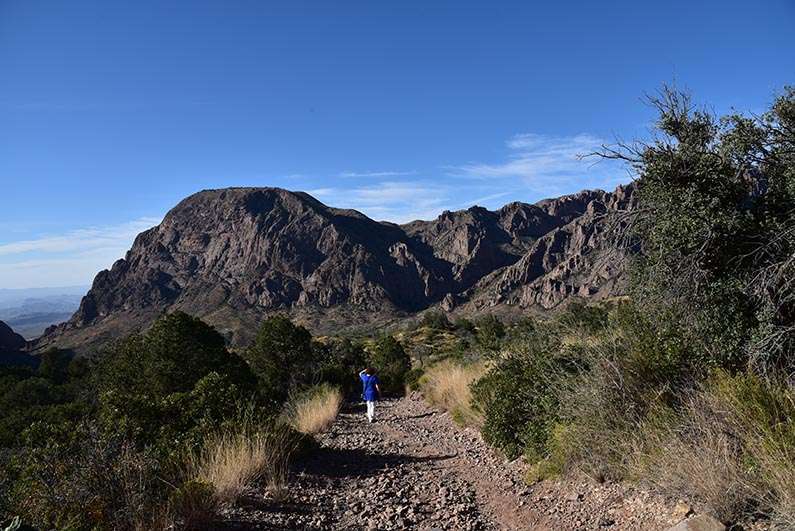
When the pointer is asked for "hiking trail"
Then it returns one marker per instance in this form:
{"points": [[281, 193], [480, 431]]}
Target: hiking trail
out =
{"points": [[415, 469]]}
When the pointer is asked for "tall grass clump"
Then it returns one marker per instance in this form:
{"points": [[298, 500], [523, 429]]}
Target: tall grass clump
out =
{"points": [[315, 410], [732, 448], [236, 459], [625, 371], [448, 385]]}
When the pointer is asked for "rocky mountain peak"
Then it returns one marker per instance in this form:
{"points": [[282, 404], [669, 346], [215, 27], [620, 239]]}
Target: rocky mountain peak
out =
{"points": [[232, 256]]}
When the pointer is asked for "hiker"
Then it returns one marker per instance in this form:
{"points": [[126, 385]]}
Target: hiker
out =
{"points": [[370, 390]]}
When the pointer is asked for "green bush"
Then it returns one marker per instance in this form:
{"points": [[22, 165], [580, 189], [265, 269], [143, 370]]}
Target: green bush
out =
{"points": [[463, 324], [589, 318], [714, 228], [517, 396], [391, 363], [282, 357], [171, 384], [74, 477], [337, 363], [636, 367], [490, 332], [27, 396], [435, 320]]}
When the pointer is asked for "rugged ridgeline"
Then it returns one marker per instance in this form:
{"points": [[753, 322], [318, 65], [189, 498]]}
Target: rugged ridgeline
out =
{"points": [[232, 256]]}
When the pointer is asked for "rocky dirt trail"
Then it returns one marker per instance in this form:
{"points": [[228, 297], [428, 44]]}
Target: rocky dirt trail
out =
{"points": [[415, 469]]}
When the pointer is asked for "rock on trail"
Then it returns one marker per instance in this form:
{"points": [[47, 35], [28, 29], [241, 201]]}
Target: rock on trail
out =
{"points": [[415, 469]]}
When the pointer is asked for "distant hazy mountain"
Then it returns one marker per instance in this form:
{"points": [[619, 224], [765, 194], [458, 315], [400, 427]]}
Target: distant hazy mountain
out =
{"points": [[235, 255], [30, 311]]}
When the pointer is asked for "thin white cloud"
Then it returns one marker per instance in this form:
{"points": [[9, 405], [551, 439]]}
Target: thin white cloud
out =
{"points": [[549, 164], [80, 239], [484, 200], [394, 201], [379, 174], [73, 257]]}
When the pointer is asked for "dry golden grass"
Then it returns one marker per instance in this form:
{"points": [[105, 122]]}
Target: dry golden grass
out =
{"points": [[314, 412], [732, 451], [447, 385], [233, 461]]}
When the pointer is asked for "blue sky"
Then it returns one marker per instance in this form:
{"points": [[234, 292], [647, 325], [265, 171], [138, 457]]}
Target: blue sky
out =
{"points": [[111, 111]]}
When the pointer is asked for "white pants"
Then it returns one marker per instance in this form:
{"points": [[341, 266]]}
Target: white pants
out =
{"points": [[370, 410]]}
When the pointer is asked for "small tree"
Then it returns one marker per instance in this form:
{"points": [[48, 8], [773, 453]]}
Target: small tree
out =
{"points": [[337, 361], [490, 332], [391, 363], [281, 357], [149, 384]]}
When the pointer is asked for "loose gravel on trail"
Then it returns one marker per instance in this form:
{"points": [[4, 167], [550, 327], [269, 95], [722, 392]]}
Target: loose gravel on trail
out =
{"points": [[415, 469]]}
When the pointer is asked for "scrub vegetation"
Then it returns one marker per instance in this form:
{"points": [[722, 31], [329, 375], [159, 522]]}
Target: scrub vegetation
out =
{"points": [[169, 426], [686, 384], [313, 411], [448, 385]]}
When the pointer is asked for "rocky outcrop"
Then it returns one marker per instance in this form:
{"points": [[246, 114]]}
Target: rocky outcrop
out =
{"points": [[10, 341], [232, 256], [702, 522], [577, 258], [11, 348]]}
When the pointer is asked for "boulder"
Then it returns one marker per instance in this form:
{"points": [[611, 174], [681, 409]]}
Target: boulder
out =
{"points": [[702, 522]]}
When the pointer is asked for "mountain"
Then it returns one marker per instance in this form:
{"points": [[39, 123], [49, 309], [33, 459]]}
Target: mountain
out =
{"points": [[11, 346], [31, 311], [14, 297], [234, 255], [10, 340], [573, 259]]}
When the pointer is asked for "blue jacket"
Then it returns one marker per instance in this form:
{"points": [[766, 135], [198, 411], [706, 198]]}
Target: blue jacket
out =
{"points": [[369, 381]]}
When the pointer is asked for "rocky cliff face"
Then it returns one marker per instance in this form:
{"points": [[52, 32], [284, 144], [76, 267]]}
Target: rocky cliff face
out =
{"points": [[577, 258], [233, 256]]}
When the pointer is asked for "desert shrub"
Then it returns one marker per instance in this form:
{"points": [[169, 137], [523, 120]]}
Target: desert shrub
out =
{"points": [[462, 324], [589, 318], [517, 395], [106, 448], [27, 397], [489, 333], [314, 410], [636, 366], [337, 363], [172, 422], [54, 365], [282, 357], [172, 384], [436, 320], [447, 385], [413, 378], [193, 504], [391, 363], [714, 228], [570, 391], [175, 353], [75, 477]]}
